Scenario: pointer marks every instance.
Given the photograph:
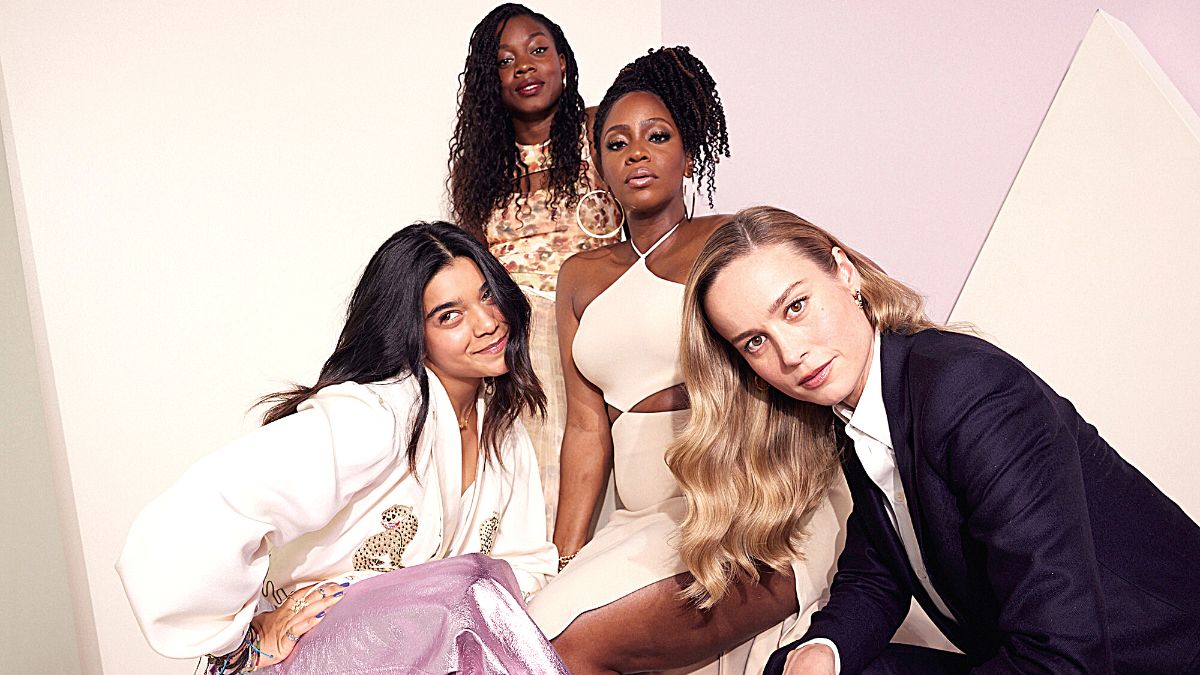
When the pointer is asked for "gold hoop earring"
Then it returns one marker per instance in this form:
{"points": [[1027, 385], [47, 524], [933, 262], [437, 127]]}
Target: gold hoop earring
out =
{"points": [[579, 220], [760, 384]]}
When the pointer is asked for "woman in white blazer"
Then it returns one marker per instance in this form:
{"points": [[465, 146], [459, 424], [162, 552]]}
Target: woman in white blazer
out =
{"points": [[273, 550]]}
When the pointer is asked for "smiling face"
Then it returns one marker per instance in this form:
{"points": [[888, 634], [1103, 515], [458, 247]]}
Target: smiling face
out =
{"points": [[465, 331], [530, 68], [796, 324], [642, 157]]}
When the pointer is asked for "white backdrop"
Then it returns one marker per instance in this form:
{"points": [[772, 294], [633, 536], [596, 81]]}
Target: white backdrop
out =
{"points": [[197, 187]]}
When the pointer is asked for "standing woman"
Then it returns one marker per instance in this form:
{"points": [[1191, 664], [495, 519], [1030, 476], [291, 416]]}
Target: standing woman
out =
{"points": [[521, 180], [978, 490], [617, 605], [407, 450]]}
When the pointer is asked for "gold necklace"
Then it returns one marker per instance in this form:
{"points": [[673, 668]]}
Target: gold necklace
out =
{"points": [[465, 418]]}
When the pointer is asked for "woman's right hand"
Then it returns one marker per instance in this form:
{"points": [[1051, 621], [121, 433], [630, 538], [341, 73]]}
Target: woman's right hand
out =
{"points": [[281, 629]]}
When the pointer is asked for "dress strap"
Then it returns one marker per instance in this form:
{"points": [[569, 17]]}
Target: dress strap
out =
{"points": [[655, 245]]}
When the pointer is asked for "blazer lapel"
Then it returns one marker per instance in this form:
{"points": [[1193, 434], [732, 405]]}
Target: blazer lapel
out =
{"points": [[873, 509], [893, 356]]}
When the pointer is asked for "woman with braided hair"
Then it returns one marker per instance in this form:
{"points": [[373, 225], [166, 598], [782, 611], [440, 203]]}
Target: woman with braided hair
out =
{"points": [[521, 180], [617, 605]]}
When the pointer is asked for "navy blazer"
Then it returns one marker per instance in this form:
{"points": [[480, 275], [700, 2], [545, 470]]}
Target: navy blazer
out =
{"points": [[1053, 554]]}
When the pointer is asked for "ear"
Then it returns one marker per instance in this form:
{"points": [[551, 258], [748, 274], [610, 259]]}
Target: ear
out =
{"points": [[845, 270], [562, 65], [690, 168]]}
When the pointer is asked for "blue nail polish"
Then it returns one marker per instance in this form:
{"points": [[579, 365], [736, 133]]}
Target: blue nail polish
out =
{"points": [[338, 594], [321, 615], [344, 584]]}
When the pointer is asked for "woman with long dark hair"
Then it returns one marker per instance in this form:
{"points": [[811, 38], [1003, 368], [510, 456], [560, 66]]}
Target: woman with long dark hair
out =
{"points": [[273, 550], [617, 603], [522, 181]]}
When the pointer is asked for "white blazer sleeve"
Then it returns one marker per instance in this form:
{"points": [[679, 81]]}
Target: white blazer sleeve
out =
{"points": [[521, 536], [196, 556]]}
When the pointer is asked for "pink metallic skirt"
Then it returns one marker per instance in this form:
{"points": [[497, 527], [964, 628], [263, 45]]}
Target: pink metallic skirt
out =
{"points": [[458, 615]]}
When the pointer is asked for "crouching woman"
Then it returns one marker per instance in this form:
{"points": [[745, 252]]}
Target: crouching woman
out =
{"points": [[306, 546]]}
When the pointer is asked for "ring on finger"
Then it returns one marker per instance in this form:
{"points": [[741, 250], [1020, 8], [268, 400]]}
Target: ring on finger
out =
{"points": [[321, 590], [299, 604], [291, 637]]}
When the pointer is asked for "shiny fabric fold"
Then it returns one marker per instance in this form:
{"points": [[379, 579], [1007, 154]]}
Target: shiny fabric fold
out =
{"points": [[458, 615]]}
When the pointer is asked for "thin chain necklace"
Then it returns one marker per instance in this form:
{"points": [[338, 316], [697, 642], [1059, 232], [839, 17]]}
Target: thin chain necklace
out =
{"points": [[465, 418]]}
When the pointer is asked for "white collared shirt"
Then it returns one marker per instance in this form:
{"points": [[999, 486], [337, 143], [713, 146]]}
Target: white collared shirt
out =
{"points": [[867, 426]]}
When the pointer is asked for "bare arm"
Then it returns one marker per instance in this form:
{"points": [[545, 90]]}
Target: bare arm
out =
{"points": [[587, 449]]}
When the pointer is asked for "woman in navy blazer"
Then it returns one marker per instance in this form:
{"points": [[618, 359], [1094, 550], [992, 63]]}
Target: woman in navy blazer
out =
{"points": [[978, 490]]}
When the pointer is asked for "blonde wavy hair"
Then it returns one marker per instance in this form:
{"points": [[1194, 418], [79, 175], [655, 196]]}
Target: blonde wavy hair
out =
{"points": [[754, 464]]}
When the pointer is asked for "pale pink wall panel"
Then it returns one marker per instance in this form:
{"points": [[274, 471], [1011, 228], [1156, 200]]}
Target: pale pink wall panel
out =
{"points": [[900, 126]]}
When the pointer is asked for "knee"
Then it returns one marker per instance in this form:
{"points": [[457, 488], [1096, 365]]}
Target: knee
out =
{"points": [[583, 653]]}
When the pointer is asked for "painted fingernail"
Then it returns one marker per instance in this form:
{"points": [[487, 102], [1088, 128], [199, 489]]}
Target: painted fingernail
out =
{"points": [[321, 615], [344, 584], [338, 594]]}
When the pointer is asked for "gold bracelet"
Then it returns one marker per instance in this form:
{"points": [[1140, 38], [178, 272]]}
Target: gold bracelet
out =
{"points": [[563, 560]]}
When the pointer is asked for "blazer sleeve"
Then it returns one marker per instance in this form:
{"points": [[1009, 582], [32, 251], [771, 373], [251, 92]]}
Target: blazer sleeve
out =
{"points": [[867, 602], [521, 537], [1013, 462], [196, 556]]}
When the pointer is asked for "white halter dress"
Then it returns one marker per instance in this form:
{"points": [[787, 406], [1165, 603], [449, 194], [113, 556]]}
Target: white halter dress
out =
{"points": [[628, 346]]}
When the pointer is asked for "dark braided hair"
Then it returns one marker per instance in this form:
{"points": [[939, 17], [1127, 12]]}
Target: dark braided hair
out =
{"points": [[483, 153], [683, 84]]}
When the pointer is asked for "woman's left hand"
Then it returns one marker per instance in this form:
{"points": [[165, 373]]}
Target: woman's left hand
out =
{"points": [[280, 629]]}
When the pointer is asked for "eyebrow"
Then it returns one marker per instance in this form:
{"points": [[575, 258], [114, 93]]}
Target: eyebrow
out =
{"points": [[643, 123], [771, 310], [452, 303], [505, 45], [443, 306]]}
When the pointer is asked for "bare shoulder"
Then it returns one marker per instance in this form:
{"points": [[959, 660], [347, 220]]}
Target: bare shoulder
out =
{"points": [[706, 225], [586, 274], [701, 229]]}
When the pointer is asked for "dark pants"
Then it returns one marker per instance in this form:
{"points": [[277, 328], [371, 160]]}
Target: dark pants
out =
{"points": [[896, 659]]}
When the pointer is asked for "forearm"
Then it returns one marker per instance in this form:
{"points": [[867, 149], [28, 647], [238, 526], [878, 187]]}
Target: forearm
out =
{"points": [[585, 462]]}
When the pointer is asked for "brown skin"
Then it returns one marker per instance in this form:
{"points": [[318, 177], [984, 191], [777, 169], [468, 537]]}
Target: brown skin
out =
{"points": [[651, 628], [526, 53], [465, 335]]}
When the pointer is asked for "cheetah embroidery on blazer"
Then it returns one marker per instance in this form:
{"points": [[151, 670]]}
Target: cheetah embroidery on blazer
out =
{"points": [[382, 552], [487, 534]]}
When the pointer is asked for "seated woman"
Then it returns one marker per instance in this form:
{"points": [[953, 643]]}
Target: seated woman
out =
{"points": [[522, 181], [406, 450], [977, 489], [616, 606]]}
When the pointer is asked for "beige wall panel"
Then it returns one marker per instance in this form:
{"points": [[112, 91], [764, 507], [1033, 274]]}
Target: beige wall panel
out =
{"points": [[32, 556], [1089, 272], [202, 183]]}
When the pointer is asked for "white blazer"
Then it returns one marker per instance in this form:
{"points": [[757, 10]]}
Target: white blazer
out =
{"points": [[325, 494]]}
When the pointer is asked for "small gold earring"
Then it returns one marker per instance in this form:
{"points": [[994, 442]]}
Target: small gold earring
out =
{"points": [[760, 384]]}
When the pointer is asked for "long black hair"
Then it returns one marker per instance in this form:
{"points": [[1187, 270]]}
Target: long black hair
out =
{"points": [[384, 335], [484, 158], [682, 82]]}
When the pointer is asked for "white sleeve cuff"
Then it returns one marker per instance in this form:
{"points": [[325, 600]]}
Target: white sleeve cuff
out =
{"points": [[837, 658]]}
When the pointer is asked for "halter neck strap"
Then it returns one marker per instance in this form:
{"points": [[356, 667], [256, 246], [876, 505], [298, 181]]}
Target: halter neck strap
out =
{"points": [[655, 244]]}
